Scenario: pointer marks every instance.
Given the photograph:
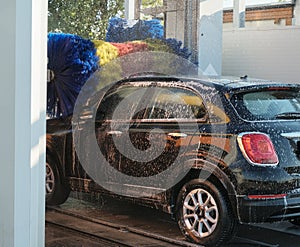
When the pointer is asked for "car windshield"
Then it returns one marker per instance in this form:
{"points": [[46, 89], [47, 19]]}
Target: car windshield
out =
{"points": [[268, 104]]}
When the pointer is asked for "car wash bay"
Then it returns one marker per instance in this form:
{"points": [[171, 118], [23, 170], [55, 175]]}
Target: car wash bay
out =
{"points": [[22, 152]]}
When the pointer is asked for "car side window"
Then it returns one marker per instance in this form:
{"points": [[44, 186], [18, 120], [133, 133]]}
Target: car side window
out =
{"points": [[176, 103], [117, 105]]}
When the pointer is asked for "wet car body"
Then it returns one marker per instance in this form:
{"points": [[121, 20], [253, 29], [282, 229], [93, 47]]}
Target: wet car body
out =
{"points": [[256, 192]]}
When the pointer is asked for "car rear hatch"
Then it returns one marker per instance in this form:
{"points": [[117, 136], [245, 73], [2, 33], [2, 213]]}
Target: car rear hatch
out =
{"points": [[274, 110]]}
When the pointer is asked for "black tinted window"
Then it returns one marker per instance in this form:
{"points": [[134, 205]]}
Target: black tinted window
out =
{"points": [[119, 104]]}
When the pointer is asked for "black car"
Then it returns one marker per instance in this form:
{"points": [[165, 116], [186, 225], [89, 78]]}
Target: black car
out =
{"points": [[211, 152]]}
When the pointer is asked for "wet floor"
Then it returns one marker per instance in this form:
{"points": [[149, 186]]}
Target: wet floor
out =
{"points": [[148, 220]]}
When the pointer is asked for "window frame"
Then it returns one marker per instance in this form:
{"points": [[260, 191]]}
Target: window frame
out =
{"points": [[146, 84]]}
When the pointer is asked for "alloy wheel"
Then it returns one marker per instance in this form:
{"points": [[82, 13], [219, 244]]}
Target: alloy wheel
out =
{"points": [[50, 179], [200, 212]]}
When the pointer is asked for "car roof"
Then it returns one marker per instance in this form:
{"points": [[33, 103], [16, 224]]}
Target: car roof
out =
{"points": [[223, 83]]}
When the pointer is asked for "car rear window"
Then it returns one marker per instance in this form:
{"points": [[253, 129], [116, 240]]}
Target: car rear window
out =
{"points": [[268, 104]]}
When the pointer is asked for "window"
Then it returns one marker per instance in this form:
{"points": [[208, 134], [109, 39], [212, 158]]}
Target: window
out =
{"points": [[175, 103], [118, 104], [125, 103], [266, 105]]}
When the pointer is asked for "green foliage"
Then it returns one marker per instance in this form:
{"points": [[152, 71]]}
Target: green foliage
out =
{"points": [[152, 3], [87, 18], [155, 5]]}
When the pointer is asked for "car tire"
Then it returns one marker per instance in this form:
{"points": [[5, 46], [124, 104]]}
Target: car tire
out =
{"points": [[57, 189], [204, 214]]}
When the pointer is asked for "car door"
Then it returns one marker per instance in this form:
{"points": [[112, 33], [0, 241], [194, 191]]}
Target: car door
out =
{"points": [[112, 120], [161, 136], [144, 130]]}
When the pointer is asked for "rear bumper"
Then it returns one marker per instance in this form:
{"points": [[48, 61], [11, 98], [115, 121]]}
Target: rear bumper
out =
{"points": [[268, 210]]}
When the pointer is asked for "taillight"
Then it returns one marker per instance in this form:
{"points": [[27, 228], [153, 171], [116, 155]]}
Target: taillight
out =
{"points": [[258, 148]]}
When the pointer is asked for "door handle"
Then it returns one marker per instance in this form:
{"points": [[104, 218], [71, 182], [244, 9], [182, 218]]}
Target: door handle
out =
{"points": [[177, 135], [114, 132]]}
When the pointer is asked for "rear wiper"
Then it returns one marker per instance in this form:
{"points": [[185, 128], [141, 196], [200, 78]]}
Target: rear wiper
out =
{"points": [[288, 115]]}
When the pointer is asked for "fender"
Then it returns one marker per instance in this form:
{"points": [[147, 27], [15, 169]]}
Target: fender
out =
{"points": [[205, 169], [208, 168]]}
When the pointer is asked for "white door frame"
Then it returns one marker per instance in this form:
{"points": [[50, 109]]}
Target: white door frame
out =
{"points": [[23, 65]]}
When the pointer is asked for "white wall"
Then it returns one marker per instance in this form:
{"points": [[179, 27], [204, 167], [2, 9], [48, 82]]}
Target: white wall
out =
{"points": [[263, 53], [210, 37]]}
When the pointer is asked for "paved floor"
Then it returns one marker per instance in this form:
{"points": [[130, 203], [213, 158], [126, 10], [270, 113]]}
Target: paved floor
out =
{"points": [[117, 212], [56, 237]]}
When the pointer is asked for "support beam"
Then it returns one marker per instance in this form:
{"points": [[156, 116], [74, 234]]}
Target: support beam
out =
{"points": [[129, 9], [23, 49], [239, 13], [174, 19], [132, 9], [191, 25], [210, 37], [297, 13]]}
